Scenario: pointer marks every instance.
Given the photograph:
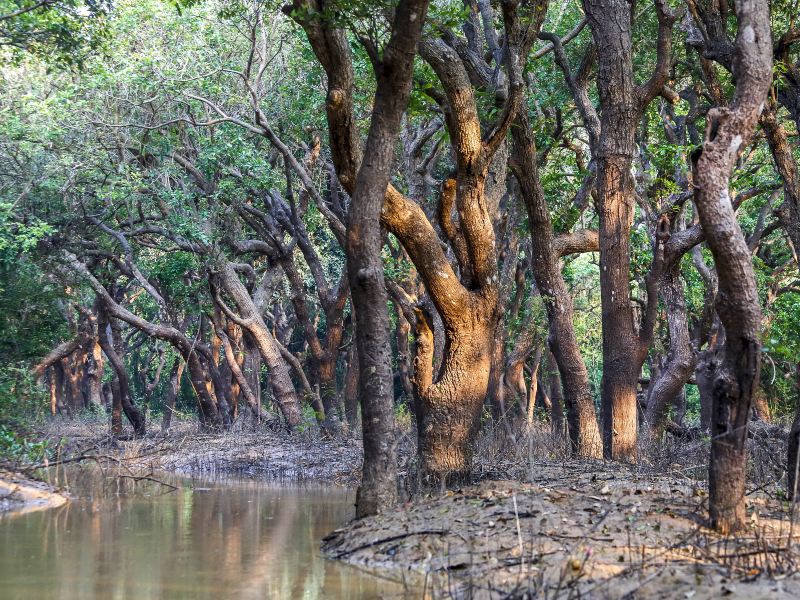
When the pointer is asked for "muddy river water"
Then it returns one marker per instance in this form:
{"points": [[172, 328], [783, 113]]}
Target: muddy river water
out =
{"points": [[124, 539]]}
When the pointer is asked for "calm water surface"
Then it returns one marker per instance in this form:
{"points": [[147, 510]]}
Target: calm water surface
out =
{"points": [[224, 539]]}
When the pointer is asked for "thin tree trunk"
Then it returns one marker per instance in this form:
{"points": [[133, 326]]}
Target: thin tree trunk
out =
{"points": [[682, 360], [282, 386], [351, 389], [172, 392], [111, 342], [584, 431]]}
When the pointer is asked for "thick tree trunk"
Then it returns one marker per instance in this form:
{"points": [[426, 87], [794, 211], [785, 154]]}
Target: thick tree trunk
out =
{"points": [[450, 409], [620, 368], [611, 30], [622, 103], [378, 490]]}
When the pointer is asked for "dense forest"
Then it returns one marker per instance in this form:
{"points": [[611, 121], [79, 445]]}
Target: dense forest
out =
{"points": [[364, 218]]}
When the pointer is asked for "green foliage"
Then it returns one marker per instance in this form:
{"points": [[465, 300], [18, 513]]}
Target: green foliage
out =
{"points": [[63, 32], [16, 449]]}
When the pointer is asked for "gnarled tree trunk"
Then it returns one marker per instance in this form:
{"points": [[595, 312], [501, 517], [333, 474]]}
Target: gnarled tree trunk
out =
{"points": [[736, 378]]}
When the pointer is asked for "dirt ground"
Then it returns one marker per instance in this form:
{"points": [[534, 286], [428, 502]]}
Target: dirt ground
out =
{"points": [[535, 527], [265, 453], [20, 495], [579, 530]]}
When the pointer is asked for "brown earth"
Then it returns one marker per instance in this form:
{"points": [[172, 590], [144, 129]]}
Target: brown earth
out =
{"points": [[579, 529], [264, 453]]}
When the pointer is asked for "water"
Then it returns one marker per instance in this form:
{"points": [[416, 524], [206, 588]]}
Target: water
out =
{"points": [[220, 540]]}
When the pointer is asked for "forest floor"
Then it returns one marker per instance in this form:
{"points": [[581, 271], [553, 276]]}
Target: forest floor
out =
{"points": [[266, 453], [542, 526], [535, 524], [21, 495]]}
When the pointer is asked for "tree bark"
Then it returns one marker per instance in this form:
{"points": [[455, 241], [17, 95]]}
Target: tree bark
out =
{"points": [[111, 342], [682, 359], [584, 431], [728, 130], [622, 102], [251, 320], [172, 392], [378, 490]]}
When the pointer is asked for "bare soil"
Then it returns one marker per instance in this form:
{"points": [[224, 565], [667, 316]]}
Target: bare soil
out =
{"points": [[265, 453], [579, 529]]}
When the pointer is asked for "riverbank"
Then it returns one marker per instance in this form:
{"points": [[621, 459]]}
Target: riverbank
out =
{"points": [[21, 495], [580, 529], [536, 522], [264, 453]]}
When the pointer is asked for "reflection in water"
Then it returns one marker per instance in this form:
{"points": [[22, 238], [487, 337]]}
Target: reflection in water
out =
{"points": [[239, 540]]}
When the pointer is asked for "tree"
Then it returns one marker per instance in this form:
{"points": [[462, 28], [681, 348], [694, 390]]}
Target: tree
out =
{"points": [[728, 130]]}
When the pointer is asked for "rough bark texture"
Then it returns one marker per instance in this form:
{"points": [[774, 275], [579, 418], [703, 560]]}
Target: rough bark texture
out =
{"points": [[682, 357], [450, 404], [728, 130], [378, 490], [251, 320], [583, 429], [622, 103]]}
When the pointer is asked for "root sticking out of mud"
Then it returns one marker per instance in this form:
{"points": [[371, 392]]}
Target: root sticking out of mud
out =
{"points": [[579, 530]]}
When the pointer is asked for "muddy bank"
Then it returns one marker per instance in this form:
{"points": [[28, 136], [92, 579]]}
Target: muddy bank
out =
{"points": [[263, 453], [578, 529], [20, 495]]}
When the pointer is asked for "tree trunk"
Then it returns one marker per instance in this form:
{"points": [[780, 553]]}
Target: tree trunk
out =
{"points": [[282, 386], [450, 409], [96, 376], [682, 360], [584, 431], [393, 70], [112, 345], [351, 389], [173, 387], [728, 130], [404, 360], [793, 447]]}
